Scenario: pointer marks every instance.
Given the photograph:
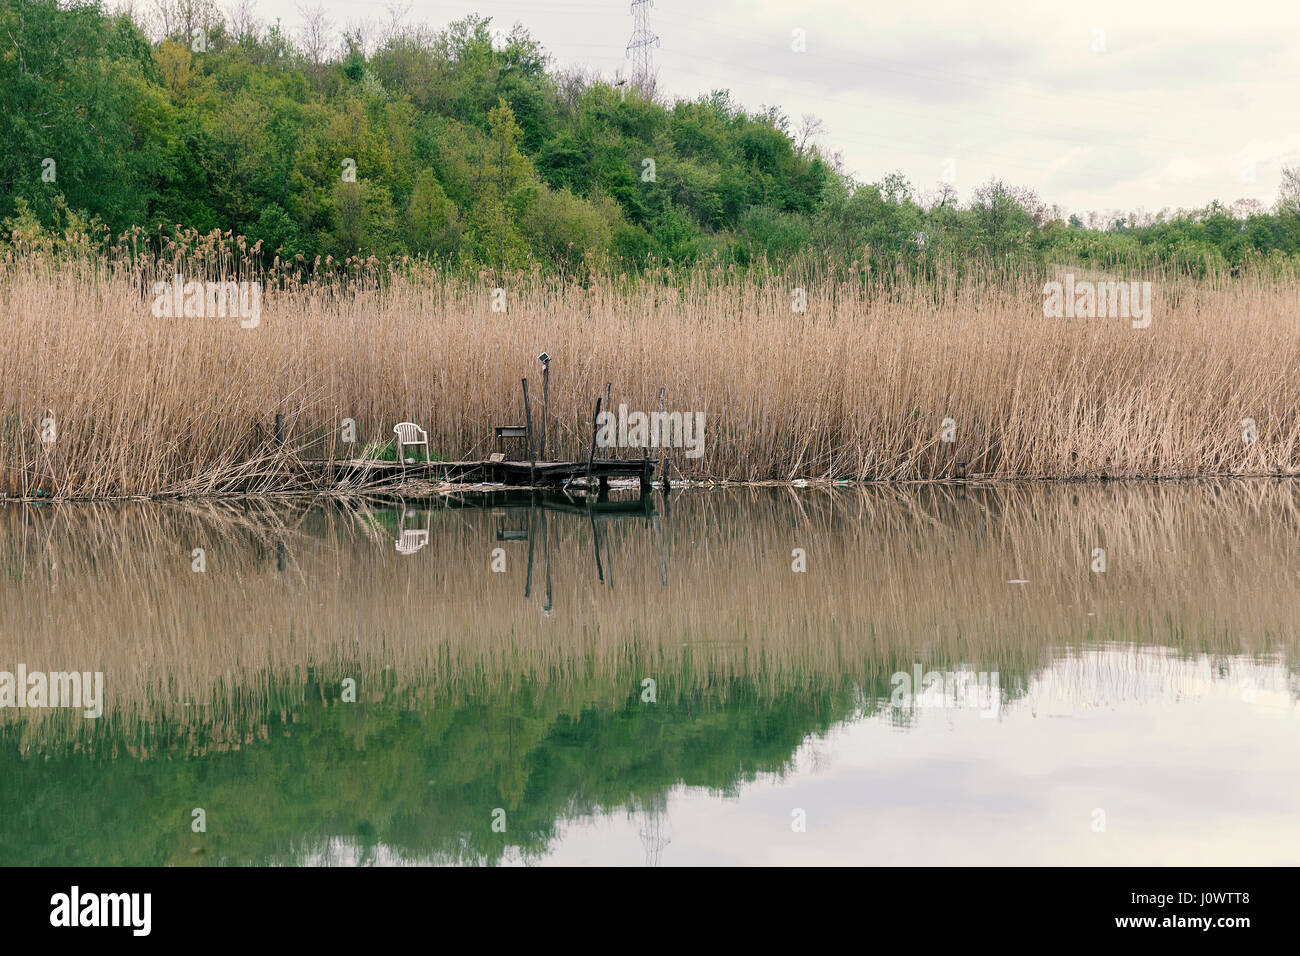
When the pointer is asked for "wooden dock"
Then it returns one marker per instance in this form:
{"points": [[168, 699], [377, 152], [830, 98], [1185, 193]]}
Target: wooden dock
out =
{"points": [[518, 474], [533, 473]]}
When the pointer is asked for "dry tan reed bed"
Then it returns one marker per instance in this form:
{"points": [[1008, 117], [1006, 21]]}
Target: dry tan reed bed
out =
{"points": [[854, 388], [893, 577]]}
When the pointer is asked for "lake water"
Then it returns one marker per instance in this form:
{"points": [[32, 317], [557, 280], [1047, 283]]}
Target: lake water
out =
{"points": [[1095, 674]]}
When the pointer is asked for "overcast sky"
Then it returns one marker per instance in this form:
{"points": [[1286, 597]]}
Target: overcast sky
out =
{"points": [[1110, 104]]}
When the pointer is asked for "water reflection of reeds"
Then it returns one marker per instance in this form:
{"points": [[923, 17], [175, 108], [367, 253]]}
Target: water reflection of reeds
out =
{"points": [[697, 594]]}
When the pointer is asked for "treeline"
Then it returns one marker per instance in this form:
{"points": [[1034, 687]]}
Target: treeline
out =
{"points": [[468, 148], [435, 766]]}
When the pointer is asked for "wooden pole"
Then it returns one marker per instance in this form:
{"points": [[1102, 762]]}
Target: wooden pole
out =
{"points": [[546, 392], [604, 485], [647, 479], [279, 430], [645, 457], [591, 460], [663, 449], [528, 428]]}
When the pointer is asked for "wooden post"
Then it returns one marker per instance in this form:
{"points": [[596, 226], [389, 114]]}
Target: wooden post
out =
{"points": [[279, 430], [663, 449], [591, 460], [546, 375], [645, 457], [604, 483], [528, 428], [646, 472]]}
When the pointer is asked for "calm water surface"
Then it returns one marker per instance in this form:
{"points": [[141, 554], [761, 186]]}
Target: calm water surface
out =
{"points": [[719, 678]]}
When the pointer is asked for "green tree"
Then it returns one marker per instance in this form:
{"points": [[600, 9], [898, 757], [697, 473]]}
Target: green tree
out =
{"points": [[432, 221]]}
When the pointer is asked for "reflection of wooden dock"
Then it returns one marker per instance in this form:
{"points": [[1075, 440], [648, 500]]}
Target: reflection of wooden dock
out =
{"points": [[522, 474], [536, 509], [524, 502]]}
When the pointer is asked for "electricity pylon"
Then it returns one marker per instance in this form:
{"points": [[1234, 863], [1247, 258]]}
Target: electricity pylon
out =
{"points": [[638, 48]]}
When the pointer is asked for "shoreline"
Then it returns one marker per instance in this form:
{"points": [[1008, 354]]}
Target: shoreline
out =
{"points": [[443, 489]]}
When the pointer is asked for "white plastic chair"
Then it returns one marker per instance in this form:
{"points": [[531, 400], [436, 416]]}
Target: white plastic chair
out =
{"points": [[409, 433], [411, 540]]}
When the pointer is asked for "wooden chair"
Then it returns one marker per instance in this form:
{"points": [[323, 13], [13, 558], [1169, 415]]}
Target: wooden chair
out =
{"points": [[524, 431], [409, 433], [503, 432]]}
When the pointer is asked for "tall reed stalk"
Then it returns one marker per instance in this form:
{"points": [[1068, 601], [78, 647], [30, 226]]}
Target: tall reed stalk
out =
{"points": [[857, 387]]}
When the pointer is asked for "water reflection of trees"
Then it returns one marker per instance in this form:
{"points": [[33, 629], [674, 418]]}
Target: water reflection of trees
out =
{"points": [[472, 696]]}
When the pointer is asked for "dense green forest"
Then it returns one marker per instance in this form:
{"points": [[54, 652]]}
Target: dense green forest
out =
{"points": [[466, 145]]}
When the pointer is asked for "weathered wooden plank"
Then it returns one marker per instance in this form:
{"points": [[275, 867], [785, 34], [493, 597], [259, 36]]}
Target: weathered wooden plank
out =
{"points": [[593, 471]]}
